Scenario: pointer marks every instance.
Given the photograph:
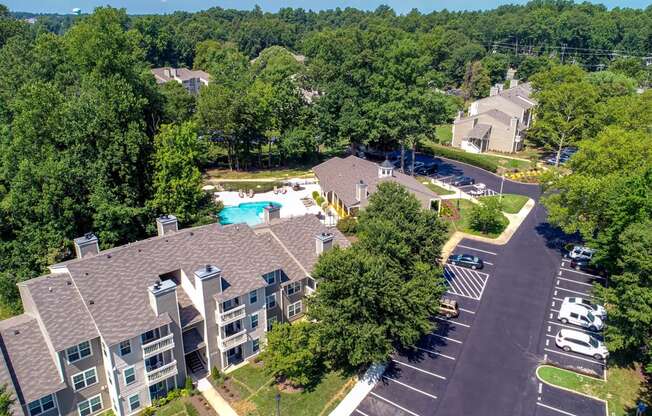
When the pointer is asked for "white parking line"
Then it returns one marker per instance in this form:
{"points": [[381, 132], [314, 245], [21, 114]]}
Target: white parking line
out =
{"points": [[576, 328], [466, 310], [486, 262], [574, 291], [470, 283], [447, 339], [458, 287], [563, 412], [393, 404], [574, 356], [585, 274], [453, 322], [435, 353], [361, 412], [419, 369], [477, 249], [410, 387], [575, 281]]}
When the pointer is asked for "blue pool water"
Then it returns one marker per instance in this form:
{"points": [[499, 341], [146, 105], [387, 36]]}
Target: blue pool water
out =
{"points": [[247, 212]]}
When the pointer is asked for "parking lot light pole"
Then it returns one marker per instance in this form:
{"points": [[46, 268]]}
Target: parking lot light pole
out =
{"points": [[278, 404], [502, 182]]}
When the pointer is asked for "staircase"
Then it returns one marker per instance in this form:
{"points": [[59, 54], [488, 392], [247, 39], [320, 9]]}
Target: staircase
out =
{"points": [[195, 363]]}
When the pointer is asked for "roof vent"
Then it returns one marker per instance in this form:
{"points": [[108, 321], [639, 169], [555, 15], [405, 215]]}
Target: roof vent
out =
{"points": [[16, 332], [91, 302], [69, 283], [108, 256], [50, 289], [209, 268]]}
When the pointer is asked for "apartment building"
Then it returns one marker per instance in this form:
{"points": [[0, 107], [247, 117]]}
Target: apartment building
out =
{"points": [[115, 329], [192, 80]]}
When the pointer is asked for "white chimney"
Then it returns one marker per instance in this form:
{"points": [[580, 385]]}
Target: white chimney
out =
{"points": [[361, 191], [271, 212], [324, 242], [86, 246], [513, 83], [166, 224]]}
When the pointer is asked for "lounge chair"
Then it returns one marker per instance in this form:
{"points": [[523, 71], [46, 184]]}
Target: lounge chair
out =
{"points": [[251, 193], [275, 190], [241, 193]]}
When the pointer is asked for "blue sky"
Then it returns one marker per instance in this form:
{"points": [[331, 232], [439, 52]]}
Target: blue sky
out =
{"points": [[167, 6]]}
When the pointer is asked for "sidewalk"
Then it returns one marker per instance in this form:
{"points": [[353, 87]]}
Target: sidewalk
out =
{"points": [[359, 391], [221, 406]]}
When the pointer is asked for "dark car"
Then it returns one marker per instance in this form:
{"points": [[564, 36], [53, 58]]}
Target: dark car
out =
{"points": [[462, 181], [427, 170], [466, 260], [586, 265]]}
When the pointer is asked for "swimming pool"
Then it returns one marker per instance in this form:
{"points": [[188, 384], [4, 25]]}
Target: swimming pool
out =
{"points": [[247, 212]]}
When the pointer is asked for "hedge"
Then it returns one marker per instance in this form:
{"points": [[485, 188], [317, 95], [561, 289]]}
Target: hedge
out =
{"points": [[462, 156]]}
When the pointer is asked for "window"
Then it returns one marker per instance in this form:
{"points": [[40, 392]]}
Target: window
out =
{"points": [[253, 297], [294, 309], [125, 347], [84, 379], [41, 405], [134, 402], [255, 345], [78, 352], [254, 321], [130, 375], [271, 301], [293, 288], [149, 336], [270, 323], [92, 405], [270, 278]]}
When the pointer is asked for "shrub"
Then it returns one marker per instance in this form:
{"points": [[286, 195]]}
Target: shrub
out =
{"points": [[188, 385], [347, 226], [462, 156], [486, 217], [215, 374], [148, 411], [315, 195], [319, 200]]}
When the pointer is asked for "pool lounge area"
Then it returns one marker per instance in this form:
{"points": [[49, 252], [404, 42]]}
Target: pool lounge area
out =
{"points": [[250, 213]]}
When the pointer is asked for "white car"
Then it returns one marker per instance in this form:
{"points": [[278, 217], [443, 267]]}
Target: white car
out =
{"points": [[579, 315], [581, 252], [598, 310], [581, 343]]}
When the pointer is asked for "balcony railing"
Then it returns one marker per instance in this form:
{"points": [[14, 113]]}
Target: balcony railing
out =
{"points": [[157, 346], [161, 373], [224, 318], [233, 340]]}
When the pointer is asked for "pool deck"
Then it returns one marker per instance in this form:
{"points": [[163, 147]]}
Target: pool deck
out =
{"points": [[291, 204]]}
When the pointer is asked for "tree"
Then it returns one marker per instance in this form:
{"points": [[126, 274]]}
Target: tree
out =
{"points": [[6, 401], [178, 104], [177, 179], [292, 353], [379, 294], [487, 216], [476, 80]]}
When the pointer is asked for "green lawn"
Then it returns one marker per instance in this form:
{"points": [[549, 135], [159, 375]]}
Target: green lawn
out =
{"points": [[462, 224], [511, 203], [490, 162], [435, 188], [258, 397], [259, 174], [177, 407], [621, 390]]}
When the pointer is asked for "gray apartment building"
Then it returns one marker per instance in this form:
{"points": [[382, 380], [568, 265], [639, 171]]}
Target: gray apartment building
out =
{"points": [[191, 80], [115, 329]]}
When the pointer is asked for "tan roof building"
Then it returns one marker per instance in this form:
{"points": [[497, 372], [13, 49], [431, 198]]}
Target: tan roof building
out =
{"points": [[192, 80], [347, 183], [115, 329]]}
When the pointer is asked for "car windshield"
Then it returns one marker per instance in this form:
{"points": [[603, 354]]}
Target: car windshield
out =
{"points": [[594, 342], [591, 316]]}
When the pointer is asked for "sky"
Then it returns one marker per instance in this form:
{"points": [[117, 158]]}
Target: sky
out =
{"points": [[168, 6]]}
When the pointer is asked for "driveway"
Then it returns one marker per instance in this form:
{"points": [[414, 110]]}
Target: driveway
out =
{"points": [[484, 362]]}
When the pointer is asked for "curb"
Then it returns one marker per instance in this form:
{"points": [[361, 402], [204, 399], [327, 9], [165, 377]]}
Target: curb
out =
{"points": [[359, 391], [536, 372], [485, 170]]}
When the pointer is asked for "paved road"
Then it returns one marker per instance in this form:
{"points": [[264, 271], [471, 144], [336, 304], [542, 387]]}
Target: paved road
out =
{"points": [[497, 344]]}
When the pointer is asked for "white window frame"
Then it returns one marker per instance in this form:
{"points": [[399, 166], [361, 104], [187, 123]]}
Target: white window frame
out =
{"points": [[293, 306], [292, 288], [267, 302], [90, 406], [79, 352], [128, 343], [41, 408], [271, 320], [273, 278], [131, 408], [251, 321], [86, 374], [124, 375], [255, 297]]}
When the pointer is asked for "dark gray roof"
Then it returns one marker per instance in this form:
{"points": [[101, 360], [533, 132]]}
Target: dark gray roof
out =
{"points": [[479, 131], [61, 310], [30, 364], [387, 164], [340, 176]]}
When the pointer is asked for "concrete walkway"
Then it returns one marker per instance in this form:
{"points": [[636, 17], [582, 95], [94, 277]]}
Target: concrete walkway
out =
{"points": [[221, 406], [359, 391]]}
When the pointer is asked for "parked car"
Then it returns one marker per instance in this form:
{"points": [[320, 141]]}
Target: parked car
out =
{"points": [[581, 252], [427, 169], [462, 181], [587, 266], [579, 342], [449, 308], [408, 167], [598, 310], [466, 260], [580, 316], [563, 158], [478, 190]]}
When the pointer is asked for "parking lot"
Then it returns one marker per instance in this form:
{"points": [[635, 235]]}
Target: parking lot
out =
{"points": [[415, 380]]}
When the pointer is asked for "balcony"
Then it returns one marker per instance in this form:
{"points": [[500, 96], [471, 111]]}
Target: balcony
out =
{"points": [[233, 340], [157, 346], [161, 373], [224, 318]]}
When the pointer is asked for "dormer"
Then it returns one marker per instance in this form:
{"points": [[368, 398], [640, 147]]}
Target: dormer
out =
{"points": [[385, 169]]}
